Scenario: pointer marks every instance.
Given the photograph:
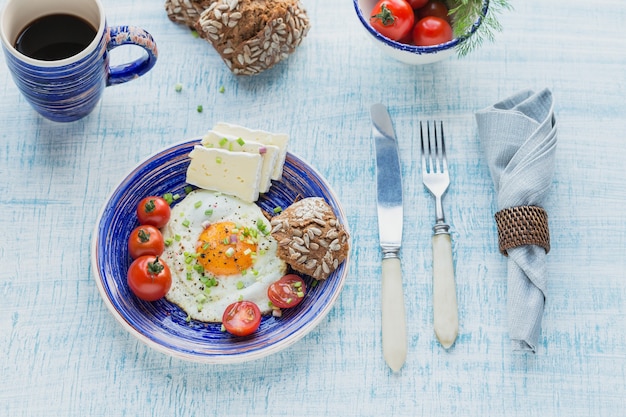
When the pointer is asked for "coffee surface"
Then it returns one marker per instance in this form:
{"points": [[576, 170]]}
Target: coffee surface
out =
{"points": [[55, 37]]}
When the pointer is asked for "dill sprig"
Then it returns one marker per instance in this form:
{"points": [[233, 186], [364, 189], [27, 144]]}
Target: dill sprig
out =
{"points": [[465, 14]]}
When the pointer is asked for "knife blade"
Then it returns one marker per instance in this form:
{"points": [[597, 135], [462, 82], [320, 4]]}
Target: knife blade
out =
{"points": [[390, 217]]}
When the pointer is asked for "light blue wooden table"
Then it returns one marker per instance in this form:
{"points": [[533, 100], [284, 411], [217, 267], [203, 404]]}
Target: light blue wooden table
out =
{"points": [[63, 354]]}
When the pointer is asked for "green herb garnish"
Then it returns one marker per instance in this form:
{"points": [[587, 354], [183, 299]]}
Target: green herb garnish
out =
{"points": [[465, 13]]}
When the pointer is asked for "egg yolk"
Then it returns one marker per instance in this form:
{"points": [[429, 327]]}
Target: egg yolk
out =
{"points": [[223, 249]]}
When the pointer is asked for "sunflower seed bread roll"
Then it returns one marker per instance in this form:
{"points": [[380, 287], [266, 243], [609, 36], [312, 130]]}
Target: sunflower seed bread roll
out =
{"points": [[249, 35], [310, 238], [186, 12]]}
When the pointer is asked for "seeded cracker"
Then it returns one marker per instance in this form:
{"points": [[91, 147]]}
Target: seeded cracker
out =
{"points": [[310, 239], [250, 35]]}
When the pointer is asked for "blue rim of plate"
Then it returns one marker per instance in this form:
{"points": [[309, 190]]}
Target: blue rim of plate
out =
{"points": [[163, 325]]}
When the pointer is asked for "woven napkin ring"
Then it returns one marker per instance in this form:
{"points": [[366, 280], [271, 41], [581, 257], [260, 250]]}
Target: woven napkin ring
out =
{"points": [[522, 225]]}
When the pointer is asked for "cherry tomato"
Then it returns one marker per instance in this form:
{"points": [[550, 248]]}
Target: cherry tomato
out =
{"points": [[287, 291], [393, 18], [149, 278], [153, 211], [433, 8], [241, 318], [416, 4], [145, 240], [431, 31]]}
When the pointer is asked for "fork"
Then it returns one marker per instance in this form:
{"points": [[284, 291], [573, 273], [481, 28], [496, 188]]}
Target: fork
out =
{"points": [[436, 178]]}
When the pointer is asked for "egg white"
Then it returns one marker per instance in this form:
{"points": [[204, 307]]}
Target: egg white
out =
{"points": [[189, 286]]}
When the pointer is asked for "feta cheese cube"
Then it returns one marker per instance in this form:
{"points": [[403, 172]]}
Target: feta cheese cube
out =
{"points": [[266, 138], [269, 153], [233, 173]]}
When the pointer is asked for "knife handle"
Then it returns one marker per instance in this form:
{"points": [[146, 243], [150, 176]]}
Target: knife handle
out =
{"points": [[393, 314], [445, 309]]}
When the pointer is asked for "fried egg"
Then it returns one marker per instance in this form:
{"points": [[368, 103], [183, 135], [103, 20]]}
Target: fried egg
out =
{"points": [[219, 250]]}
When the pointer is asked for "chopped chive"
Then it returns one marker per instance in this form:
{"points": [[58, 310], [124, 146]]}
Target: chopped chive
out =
{"points": [[178, 87], [223, 142], [195, 34], [226, 241], [188, 189], [248, 251], [189, 276], [262, 227], [198, 204], [222, 89], [230, 252], [176, 197], [314, 283], [177, 238], [168, 197], [239, 285], [300, 294], [188, 260], [278, 209], [240, 141], [198, 268], [199, 108], [222, 329], [205, 246], [208, 212], [297, 284], [168, 241], [188, 318], [240, 298], [186, 223], [218, 160]]}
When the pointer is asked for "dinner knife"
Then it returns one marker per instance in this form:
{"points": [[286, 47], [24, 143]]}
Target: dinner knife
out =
{"points": [[390, 217]]}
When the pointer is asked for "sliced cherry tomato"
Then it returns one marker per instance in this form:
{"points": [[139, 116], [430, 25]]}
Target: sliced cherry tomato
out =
{"points": [[392, 18], [149, 278], [431, 31], [287, 291], [241, 318], [433, 8], [416, 4], [154, 211], [145, 240]]}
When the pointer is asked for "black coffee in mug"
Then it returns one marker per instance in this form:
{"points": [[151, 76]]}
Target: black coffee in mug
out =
{"points": [[55, 37]]}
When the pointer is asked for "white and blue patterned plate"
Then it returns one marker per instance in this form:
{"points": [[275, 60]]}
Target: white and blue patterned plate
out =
{"points": [[163, 325]]}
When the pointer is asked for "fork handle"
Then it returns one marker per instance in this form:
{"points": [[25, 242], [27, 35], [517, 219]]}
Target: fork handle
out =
{"points": [[445, 309]]}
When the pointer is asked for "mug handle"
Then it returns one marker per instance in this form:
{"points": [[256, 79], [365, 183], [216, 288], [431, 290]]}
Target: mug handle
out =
{"points": [[131, 35]]}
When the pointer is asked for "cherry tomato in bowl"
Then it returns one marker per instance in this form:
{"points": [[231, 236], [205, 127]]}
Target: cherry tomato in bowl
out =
{"points": [[145, 240], [433, 8], [154, 211], [416, 4], [432, 31], [241, 318], [392, 18], [287, 292], [149, 278]]}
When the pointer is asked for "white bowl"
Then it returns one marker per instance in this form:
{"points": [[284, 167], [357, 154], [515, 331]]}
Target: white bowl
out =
{"points": [[411, 54]]}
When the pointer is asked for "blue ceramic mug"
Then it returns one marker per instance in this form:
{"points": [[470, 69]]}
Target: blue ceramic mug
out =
{"points": [[62, 78]]}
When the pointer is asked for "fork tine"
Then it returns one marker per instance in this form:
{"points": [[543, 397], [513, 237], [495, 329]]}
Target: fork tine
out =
{"points": [[423, 150], [444, 160]]}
